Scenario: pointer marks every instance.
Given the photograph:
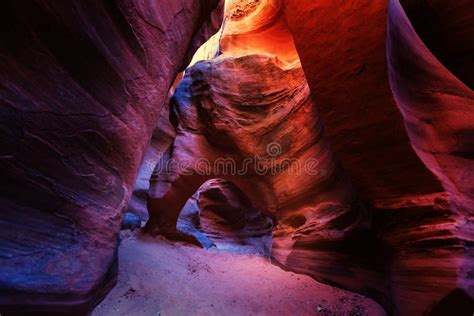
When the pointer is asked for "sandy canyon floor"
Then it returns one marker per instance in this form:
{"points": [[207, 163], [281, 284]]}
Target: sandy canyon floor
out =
{"points": [[159, 277]]}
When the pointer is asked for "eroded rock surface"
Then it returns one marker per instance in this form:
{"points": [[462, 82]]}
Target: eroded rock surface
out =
{"points": [[220, 215], [433, 92], [82, 84], [267, 139], [403, 140], [381, 204], [161, 139], [386, 101], [346, 68]]}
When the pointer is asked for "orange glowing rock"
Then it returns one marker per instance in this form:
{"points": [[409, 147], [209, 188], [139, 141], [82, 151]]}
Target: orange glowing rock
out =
{"points": [[252, 27]]}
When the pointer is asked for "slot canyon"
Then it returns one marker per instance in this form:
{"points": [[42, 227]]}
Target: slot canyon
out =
{"points": [[237, 157]]}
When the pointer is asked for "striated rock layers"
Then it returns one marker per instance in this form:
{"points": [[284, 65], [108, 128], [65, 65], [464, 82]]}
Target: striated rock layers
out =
{"points": [[253, 123], [163, 135], [432, 84], [220, 215], [395, 96], [397, 105], [382, 203], [82, 84]]}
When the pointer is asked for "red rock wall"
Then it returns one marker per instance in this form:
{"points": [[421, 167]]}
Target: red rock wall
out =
{"points": [[400, 122], [225, 115], [82, 84], [223, 110], [387, 95], [220, 215], [341, 45], [435, 102], [321, 226], [162, 137], [431, 83]]}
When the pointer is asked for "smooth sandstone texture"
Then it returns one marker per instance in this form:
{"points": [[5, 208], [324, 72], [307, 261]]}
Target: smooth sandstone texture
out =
{"points": [[362, 78], [437, 105], [346, 68], [252, 27], [436, 102], [220, 215], [162, 137], [82, 84], [266, 137], [243, 131], [394, 111]]}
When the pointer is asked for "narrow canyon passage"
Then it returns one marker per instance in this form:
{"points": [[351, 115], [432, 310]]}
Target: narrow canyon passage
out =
{"points": [[245, 95], [237, 157], [220, 215]]}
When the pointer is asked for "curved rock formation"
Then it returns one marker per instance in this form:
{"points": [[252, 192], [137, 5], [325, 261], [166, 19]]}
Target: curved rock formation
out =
{"points": [[224, 130], [219, 214], [162, 137], [438, 111], [426, 232], [435, 103], [381, 204], [446, 29], [82, 84], [257, 27], [252, 27], [265, 136], [248, 117], [346, 68]]}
